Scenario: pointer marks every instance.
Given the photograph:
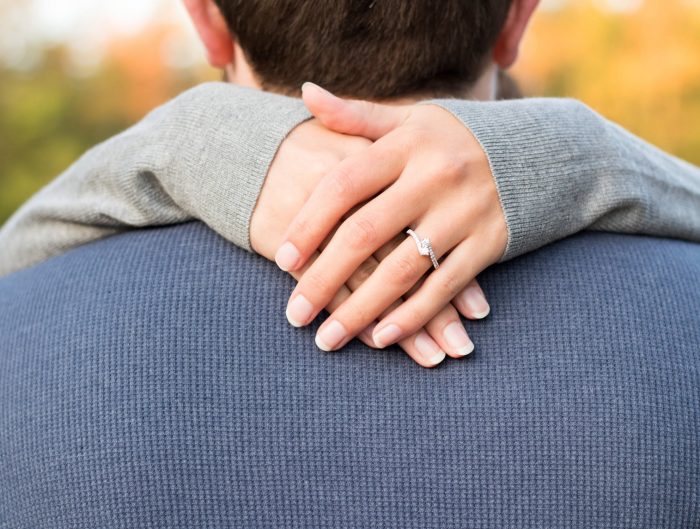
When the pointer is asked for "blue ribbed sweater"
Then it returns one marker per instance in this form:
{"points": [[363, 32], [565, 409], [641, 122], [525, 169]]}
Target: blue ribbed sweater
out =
{"points": [[150, 380]]}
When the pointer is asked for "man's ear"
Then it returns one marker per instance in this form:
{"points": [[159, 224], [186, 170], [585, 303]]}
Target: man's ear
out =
{"points": [[213, 31], [505, 52]]}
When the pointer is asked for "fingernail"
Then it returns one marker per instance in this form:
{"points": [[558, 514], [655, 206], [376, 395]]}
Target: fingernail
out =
{"points": [[287, 256], [367, 333], [330, 336], [314, 86], [299, 311], [428, 349], [475, 302], [456, 337], [387, 335], [308, 84]]}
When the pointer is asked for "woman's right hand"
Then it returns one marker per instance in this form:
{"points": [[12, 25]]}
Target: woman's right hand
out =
{"points": [[425, 170], [307, 154]]}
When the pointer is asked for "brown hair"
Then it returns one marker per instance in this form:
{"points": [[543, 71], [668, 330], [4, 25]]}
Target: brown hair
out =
{"points": [[371, 49]]}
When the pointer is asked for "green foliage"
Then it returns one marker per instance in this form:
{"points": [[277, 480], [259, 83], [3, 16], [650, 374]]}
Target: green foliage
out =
{"points": [[44, 126], [50, 115]]}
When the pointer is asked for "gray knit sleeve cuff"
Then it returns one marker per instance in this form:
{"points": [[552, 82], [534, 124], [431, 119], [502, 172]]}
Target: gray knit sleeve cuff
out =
{"points": [[228, 137], [537, 150]]}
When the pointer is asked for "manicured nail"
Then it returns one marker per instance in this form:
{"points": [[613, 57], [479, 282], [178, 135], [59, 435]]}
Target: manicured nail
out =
{"points": [[299, 311], [428, 349], [475, 302], [331, 336], [307, 85], [313, 86], [456, 337], [387, 335], [367, 334], [287, 256]]}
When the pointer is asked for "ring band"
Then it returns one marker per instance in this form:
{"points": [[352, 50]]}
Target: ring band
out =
{"points": [[424, 247]]}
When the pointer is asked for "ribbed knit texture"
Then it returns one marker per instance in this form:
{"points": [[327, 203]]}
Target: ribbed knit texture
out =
{"points": [[559, 168], [203, 155], [150, 380]]}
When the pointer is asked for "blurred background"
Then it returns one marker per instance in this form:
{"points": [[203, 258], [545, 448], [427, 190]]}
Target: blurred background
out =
{"points": [[74, 72]]}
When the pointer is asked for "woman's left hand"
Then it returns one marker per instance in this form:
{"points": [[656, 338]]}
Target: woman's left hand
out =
{"points": [[425, 171]]}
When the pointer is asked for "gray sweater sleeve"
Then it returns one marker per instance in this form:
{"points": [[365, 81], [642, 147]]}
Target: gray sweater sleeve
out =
{"points": [[560, 168], [203, 155]]}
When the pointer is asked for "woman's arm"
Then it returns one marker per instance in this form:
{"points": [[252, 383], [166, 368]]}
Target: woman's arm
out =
{"points": [[520, 175], [561, 168], [203, 155]]}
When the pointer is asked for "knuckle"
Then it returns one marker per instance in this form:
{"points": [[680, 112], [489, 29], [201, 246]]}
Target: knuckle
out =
{"points": [[410, 138], [322, 163], [300, 227], [360, 233], [303, 233], [453, 165], [342, 183], [422, 136], [356, 144], [404, 271], [412, 317], [356, 315], [446, 169], [335, 120], [365, 270], [448, 283], [315, 281]]}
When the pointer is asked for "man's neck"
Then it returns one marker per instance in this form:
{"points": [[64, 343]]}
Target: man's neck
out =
{"points": [[491, 85]]}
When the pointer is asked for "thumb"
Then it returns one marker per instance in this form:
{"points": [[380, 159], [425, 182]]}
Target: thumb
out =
{"points": [[352, 116]]}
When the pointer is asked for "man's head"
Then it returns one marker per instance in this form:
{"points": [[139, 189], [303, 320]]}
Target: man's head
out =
{"points": [[370, 49]]}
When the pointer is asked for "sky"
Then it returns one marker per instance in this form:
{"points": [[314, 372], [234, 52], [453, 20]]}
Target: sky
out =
{"points": [[59, 20], [85, 25]]}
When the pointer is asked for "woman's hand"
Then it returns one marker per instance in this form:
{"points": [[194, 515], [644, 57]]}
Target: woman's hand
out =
{"points": [[304, 158], [425, 171]]}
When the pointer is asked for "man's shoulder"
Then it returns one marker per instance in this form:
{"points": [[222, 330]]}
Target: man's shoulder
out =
{"points": [[172, 254], [179, 255], [590, 285], [169, 349], [186, 268]]}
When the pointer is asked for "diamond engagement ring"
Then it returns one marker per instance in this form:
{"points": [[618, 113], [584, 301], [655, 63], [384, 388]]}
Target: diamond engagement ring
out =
{"points": [[424, 247]]}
